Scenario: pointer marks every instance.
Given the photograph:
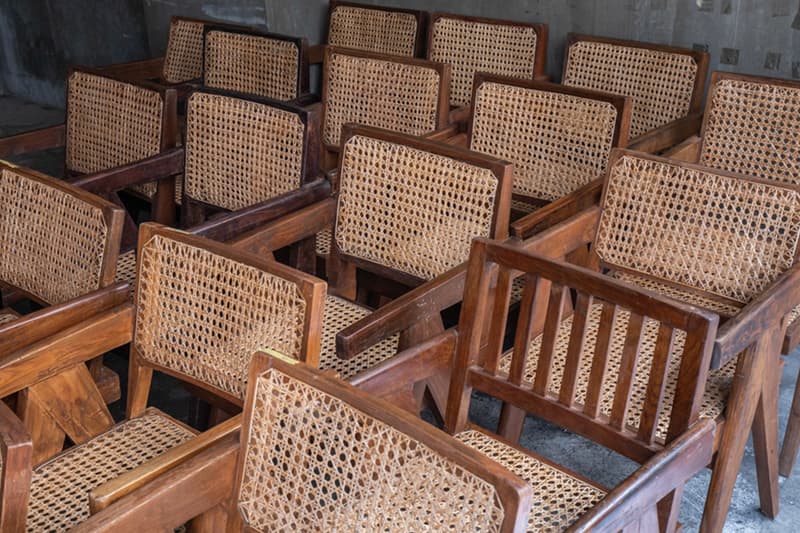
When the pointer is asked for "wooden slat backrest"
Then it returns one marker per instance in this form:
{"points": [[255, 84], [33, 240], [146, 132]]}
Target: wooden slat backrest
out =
{"points": [[385, 30]]}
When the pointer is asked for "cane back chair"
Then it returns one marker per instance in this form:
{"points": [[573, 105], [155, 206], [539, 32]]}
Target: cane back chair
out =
{"points": [[202, 309], [471, 45], [252, 62], [666, 84]]}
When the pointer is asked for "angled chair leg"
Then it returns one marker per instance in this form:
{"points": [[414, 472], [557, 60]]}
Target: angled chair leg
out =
{"points": [[512, 420], [765, 440], [668, 509], [791, 440]]}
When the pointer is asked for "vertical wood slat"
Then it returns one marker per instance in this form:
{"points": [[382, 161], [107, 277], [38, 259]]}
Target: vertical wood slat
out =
{"points": [[552, 324], [577, 338], [531, 296], [605, 330], [627, 370], [497, 327], [656, 385]]}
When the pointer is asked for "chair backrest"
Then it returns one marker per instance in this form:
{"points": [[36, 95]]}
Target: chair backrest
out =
{"points": [[559, 138], [751, 125], [203, 308], [666, 83], [721, 233], [399, 94], [471, 45], [240, 152], [112, 122], [623, 369], [385, 30], [412, 205], [57, 242], [252, 62], [365, 465]]}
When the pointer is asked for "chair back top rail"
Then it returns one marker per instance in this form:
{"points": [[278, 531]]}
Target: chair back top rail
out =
{"points": [[381, 29]]}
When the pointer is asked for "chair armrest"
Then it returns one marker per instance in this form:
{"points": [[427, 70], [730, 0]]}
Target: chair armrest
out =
{"points": [[668, 135], [442, 134], [558, 241], [16, 451], [162, 166], [33, 141], [184, 492], [460, 116], [146, 69], [763, 313], [688, 150], [316, 54], [111, 491], [664, 472], [558, 210]]}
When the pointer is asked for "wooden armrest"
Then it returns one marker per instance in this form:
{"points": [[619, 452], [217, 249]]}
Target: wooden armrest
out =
{"points": [[146, 69], [316, 54], [688, 150], [109, 492], [427, 300], [162, 166], [238, 222], [460, 116], [668, 135], [442, 134], [558, 210], [757, 317], [184, 492], [16, 451], [33, 141], [565, 237], [664, 472], [290, 229]]}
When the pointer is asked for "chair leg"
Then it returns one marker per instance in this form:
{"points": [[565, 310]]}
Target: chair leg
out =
{"points": [[791, 440], [668, 510], [765, 439], [512, 421]]}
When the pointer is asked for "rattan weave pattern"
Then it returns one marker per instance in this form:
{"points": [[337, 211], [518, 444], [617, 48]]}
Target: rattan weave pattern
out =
{"points": [[381, 93], [324, 240], [126, 270], [52, 242], [660, 83], [204, 315], [558, 142], [239, 152], [184, 58], [408, 209], [470, 47], [340, 313], [754, 129], [559, 498], [252, 64], [60, 487], [728, 236], [375, 30], [315, 463]]}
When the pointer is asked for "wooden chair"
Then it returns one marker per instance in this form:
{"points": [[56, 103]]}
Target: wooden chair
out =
{"points": [[257, 63], [202, 308], [472, 44], [666, 84]]}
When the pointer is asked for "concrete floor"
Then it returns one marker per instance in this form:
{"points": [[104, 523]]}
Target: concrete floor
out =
{"points": [[585, 457]]}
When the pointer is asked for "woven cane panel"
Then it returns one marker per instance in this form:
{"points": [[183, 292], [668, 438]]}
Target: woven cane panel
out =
{"points": [[323, 243], [754, 129], [660, 83], [240, 153], [204, 315], [252, 64], [717, 386], [559, 498], [339, 314], [60, 487], [7, 316], [126, 270], [793, 315], [314, 463], [470, 47], [184, 58], [110, 123], [557, 142], [375, 30], [384, 94], [52, 243], [727, 236], [411, 210]]}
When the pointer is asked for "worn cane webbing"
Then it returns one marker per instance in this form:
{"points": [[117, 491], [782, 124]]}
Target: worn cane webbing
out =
{"points": [[60, 487], [557, 142], [717, 385], [7, 316], [381, 93], [314, 463], [471, 47], [184, 58], [52, 242], [324, 239], [340, 313], [126, 270], [727, 236], [253, 64], [559, 498], [203, 315], [239, 152], [375, 30], [660, 83], [411, 210], [753, 128]]}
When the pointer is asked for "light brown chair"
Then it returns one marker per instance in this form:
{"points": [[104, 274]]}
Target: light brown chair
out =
{"points": [[202, 309], [666, 84]]}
